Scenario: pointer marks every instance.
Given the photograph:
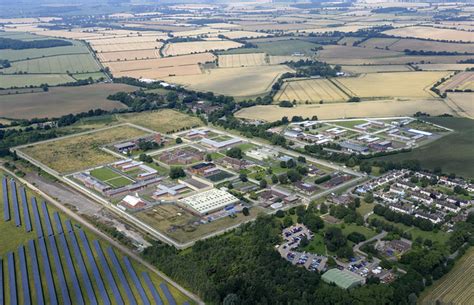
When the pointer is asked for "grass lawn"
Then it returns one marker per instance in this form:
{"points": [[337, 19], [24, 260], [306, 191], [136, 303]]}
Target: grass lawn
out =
{"points": [[165, 121], [349, 124], [119, 182], [217, 156], [453, 152], [246, 146], [104, 174], [316, 245], [365, 207], [439, 236]]}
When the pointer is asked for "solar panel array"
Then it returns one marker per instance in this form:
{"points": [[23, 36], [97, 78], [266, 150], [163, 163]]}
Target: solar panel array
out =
{"points": [[168, 294], [6, 205], [72, 275], [16, 208]]}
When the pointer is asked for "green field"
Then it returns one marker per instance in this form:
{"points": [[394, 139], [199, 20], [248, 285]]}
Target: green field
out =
{"points": [[47, 65], [119, 182], [79, 63], [17, 55], [453, 153], [282, 47], [12, 237], [104, 174], [439, 236], [8, 81]]}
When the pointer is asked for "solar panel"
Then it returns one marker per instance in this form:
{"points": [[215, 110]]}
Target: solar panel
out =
{"points": [[36, 273], [39, 228], [121, 275], [59, 271], [26, 212], [2, 300], [6, 206], [57, 221], [12, 278], [152, 288], [70, 267], [24, 276], [69, 226], [16, 208], [108, 273], [95, 270], [136, 281], [168, 294], [82, 267], [53, 299], [47, 220]]}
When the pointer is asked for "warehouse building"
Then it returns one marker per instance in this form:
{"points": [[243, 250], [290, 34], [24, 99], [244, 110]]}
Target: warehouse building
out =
{"points": [[343, 278], [209, 201]]}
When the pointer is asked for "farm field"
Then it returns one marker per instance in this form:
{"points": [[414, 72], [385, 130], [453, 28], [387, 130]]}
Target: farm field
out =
{"points": [[60, 101], [401, 45], [242, 60], [20, 81], [311, 90], [461, 81], [182, 48], [164, 121], [456, 287], [162, 67], [440, 152], [462, 103], [344, 52], [18, 55], [387, 85], [79, 152], [61, 64], [445, 67], [241, 82], [58, 261], [128, 55], [121, 47], [379, 108], [279, 48], [243, 34], [376, 68], [431, 33]]}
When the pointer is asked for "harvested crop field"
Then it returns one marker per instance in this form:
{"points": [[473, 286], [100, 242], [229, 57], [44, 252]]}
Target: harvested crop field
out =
{"points": [[432, 33], [243, 34], [380, 108], [242, 82], [310, 90], [121, 47], [460, 81], [181, 48], [129, 55], [390, 85], [125, 40], [60, 101], [164, 121], [456, 287], [78, 152], [376, 68], [462, 103], [161, 67], [242, 60]]}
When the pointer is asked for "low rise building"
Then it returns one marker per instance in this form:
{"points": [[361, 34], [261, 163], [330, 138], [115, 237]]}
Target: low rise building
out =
{"points": [[209, 201]]}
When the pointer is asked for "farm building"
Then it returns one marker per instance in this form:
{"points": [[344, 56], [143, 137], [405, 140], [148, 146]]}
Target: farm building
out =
{"points": [[342, 278], [209, 201]]}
